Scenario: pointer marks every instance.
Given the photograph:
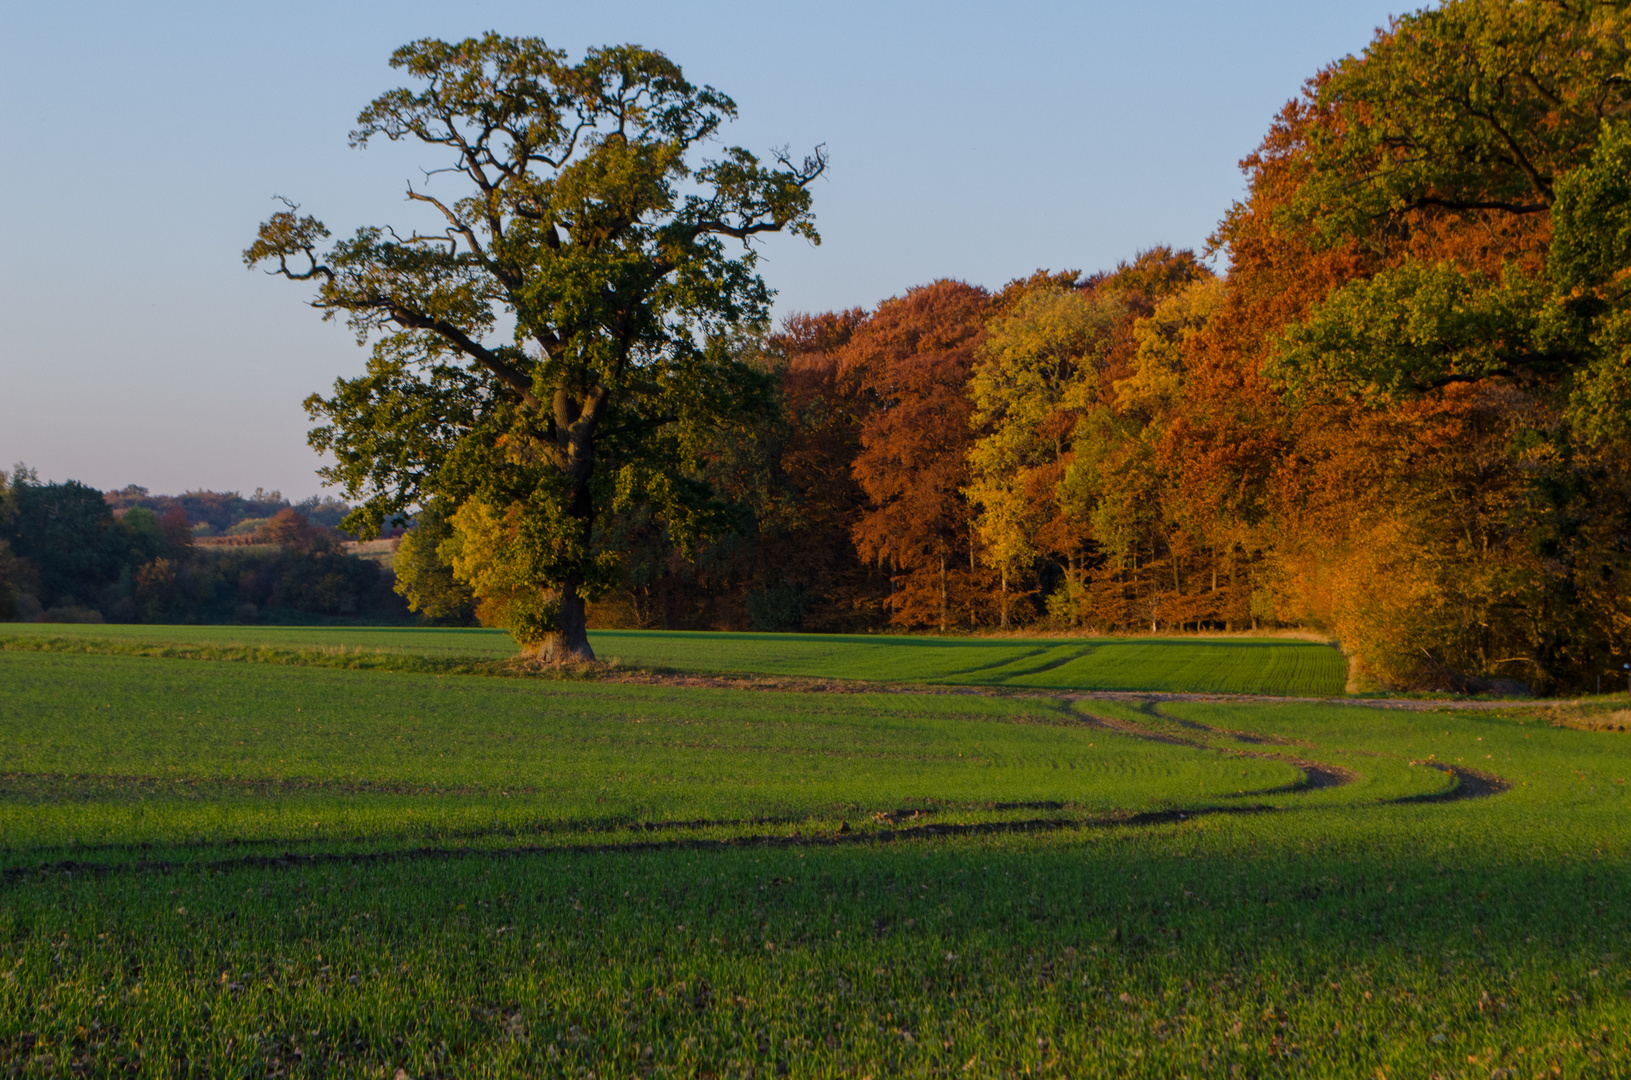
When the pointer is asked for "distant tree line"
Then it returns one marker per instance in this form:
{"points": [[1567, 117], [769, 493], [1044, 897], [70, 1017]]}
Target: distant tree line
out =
{"points": [[227, 513], [69, 553]]}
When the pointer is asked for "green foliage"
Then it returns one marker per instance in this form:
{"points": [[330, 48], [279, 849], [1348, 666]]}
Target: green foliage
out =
{"points": [[1039, 359], [1412, 329], [70, 537], [1473, 108], [1590, 254], [1600, 398], [16, 575], [147, 539], [1591, 220], [425, 578], [1432, 256], [1472, 105], [587, 222], [776, 609], [1163, 339]]}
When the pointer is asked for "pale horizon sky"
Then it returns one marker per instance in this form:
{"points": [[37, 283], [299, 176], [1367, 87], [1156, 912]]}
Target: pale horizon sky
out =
{"points": [[970, 141]]}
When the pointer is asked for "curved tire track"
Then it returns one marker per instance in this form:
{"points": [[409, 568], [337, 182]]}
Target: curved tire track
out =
{"points": [[291, 860], [1316, 775], [1469, 783]]}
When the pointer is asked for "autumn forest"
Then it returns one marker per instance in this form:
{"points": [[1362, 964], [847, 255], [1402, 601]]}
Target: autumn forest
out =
{"points": [[1399, 417]]}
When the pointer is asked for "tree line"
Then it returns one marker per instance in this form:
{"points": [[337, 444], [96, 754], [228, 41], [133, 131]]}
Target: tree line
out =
{"points": [[70, 553], [222, 513], [1402, 415]]}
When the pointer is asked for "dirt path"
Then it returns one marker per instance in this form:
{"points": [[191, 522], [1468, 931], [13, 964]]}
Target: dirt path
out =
{"points": [[888, 827], [1316, 775], [827, 838], [885, 828], [808, 685], [1470, 784], [1413, 704]]}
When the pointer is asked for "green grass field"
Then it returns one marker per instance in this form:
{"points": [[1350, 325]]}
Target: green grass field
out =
{"points": [[270, 870], [1219, 665], [495, 644], [288, 753]]}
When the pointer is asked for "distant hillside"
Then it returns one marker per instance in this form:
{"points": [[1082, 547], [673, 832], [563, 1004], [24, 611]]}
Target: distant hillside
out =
{"points": [[71, 553], [227, 513]]}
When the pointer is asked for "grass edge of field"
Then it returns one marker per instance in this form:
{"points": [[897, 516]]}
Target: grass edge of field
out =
{"points": [[404, 659]]}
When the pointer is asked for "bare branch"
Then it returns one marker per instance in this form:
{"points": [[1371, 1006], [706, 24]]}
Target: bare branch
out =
{"points": [[1520, 159], [316, 269], [454, 223], [506, 373], [1477, 204], [739, 232]]}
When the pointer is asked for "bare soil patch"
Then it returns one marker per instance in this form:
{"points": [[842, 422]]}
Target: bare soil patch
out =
{"points": [[1470, 784], [1586, 720]]}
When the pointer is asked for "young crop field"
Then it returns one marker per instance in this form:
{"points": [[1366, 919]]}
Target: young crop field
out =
{"points": [[1207, 665], [285, 870], [416, 641]]}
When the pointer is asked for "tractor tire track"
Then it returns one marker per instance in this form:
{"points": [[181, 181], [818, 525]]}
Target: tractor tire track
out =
{"points": [[1316, 775], [1469, 783], [843, 836]]}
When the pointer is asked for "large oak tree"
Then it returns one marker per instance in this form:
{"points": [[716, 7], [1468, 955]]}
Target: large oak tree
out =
{"points": [[560, 342]]}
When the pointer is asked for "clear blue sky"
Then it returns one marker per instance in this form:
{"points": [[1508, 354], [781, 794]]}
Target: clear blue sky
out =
{"points": [[970, 140]]}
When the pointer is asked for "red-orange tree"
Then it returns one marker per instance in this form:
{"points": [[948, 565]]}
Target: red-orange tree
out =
{"points": [[809, 544], [914, 356]]}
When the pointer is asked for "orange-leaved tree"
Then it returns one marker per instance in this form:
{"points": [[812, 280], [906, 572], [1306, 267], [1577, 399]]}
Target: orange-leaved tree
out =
{"points": [[914, 356]]}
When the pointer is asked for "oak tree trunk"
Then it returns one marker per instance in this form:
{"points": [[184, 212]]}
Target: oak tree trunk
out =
{"points": [[569, 644], [574, 635]]}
